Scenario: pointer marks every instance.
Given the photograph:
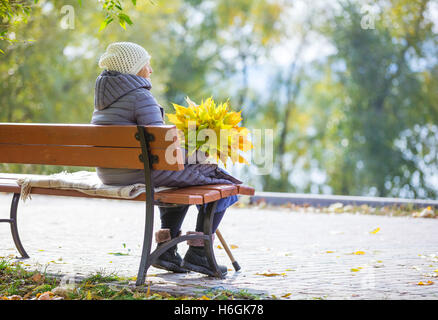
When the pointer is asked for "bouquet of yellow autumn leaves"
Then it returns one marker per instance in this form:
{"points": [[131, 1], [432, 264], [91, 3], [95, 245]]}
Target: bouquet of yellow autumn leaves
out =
{"points": [[212, 130]]}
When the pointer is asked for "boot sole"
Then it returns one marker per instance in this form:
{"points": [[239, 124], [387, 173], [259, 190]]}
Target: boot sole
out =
{"points": [[170, 267], [199, 269]]}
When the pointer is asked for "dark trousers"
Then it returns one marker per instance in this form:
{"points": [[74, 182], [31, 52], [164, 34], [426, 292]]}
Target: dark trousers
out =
{"points": [[172, 218]]}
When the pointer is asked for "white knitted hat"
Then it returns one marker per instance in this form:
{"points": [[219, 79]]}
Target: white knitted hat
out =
{"points": [[124, 57]]}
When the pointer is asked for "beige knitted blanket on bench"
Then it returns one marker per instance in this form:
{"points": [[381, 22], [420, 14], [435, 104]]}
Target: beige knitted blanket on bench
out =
{"points": [[83, 181]]}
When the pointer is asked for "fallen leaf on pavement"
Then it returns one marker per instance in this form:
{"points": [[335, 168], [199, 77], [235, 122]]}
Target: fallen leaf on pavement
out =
{"points": [[428, 283], [37, 277], [266, 274], [375, 231], [118, 254], [148, 293], [48, 295]]}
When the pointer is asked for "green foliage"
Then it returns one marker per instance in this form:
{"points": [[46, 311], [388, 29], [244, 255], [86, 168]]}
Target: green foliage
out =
{"points": [[100, 277], [380, 98], [114, 10], [15, 12]]}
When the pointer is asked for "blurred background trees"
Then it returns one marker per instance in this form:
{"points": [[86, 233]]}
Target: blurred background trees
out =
{"points": [[349, 87]]}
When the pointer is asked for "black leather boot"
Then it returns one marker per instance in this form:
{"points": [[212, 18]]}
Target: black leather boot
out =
{"points": [[170, 260], [196, 259]]}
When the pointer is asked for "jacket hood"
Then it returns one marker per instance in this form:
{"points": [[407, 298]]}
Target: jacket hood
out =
{"points": [[112, 85]]}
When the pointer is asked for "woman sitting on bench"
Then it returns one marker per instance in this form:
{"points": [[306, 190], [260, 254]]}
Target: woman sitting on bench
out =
{"points": [[123, 97]]}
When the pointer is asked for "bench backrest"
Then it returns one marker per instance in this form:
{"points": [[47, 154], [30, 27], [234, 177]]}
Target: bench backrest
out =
{"points": [[87, 145]]}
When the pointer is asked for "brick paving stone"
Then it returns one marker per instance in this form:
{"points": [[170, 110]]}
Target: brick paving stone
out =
{"points": [[312, 253]]}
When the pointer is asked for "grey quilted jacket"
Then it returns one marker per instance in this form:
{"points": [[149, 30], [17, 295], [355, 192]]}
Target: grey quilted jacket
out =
{"points": [[124, 99]]}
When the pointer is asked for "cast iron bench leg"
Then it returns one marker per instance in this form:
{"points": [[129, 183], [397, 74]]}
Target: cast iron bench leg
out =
{"points": [[14, 229], [146, 260]]}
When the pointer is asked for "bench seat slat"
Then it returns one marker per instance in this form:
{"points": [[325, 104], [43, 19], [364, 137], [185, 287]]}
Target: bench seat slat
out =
{"points": [[179, 198], [206, 194], [226, 190], [9, 186], [189, 195], [245, 190]]}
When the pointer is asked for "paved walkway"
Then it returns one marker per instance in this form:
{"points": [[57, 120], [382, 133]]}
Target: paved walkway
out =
{"points": [[287, 254]]}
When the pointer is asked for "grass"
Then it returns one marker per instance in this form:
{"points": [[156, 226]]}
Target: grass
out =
{"points": [[223, 294], [17, 283]]}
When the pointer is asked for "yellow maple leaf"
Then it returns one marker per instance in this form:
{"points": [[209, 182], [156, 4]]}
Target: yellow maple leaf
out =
{"points": [[267, 274]]}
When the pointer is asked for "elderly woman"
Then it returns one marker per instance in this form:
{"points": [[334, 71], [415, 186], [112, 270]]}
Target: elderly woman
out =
{"points": [[123, 97]]}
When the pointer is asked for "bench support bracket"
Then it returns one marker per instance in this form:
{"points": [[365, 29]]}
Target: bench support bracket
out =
{"points": [[148, 258], [208, 243], [207, 236]]}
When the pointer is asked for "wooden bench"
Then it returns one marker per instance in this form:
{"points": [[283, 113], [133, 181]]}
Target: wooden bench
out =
{"points": [[133, 147]]}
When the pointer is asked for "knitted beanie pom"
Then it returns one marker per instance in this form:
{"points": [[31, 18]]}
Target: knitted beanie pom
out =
{"points": [[124, 57]]}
